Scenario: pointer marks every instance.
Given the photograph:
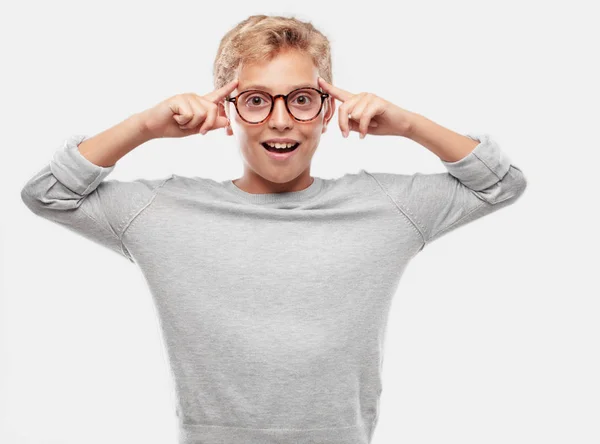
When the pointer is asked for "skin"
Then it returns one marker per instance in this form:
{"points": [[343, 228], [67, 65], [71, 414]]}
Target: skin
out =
{"points": [[364, 113], [261, 173]]}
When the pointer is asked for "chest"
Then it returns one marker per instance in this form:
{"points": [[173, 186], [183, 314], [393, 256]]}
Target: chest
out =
{"points": [[306, 282], [285, 265]]}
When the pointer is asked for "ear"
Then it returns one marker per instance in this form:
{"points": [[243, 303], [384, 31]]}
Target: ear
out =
{"points": [[222, 111], [329, 106]]}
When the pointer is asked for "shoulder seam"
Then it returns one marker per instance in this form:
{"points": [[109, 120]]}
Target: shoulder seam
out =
{"points": [[460, 219], [400, 208], [146, 205], [110, 232]]}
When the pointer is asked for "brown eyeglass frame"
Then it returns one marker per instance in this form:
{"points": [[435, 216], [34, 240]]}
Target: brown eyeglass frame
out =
{"points": [[273, 98]]}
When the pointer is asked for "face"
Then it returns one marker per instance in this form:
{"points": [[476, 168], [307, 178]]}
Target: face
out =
{"points": [[284, 73]]}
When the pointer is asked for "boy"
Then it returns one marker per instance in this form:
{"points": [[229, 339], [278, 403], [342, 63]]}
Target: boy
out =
{"points": [[273, 289]]}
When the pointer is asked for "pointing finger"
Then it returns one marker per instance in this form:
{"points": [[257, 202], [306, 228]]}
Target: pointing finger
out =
{"points": [[344, 113], [219, 94], [337, 93]]}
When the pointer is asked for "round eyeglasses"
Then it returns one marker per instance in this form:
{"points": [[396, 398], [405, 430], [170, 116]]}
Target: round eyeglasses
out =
{"points": [[255, 106]]}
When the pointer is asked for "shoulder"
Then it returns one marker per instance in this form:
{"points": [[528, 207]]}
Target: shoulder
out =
{"points": [[135, 191], [121, 200], [362, 184]]}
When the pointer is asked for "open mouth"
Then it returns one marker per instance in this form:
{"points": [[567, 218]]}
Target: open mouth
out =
{"points": [[280, 150]]}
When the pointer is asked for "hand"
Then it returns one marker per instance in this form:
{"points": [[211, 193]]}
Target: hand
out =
{"points": [[182, 114], [367, 113]]}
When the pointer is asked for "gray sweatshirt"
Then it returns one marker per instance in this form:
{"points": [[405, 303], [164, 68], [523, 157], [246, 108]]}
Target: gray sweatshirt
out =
{"points": [[273, 306]]}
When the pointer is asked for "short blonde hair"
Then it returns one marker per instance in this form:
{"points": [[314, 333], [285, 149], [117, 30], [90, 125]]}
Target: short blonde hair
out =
{"points": [[260, 38]]}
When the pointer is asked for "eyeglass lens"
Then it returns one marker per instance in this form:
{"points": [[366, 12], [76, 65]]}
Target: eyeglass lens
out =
{"points": [[304, 104]]}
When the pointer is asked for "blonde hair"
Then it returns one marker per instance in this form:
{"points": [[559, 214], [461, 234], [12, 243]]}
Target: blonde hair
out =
{"points": [[260, 38]]}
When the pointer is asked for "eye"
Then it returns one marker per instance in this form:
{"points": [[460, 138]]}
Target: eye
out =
{"points": [[304, 98], [255, 100]]}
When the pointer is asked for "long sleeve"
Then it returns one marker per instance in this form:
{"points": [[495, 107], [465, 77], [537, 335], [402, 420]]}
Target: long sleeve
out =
{"points": [[478, 184], [72, 191]]}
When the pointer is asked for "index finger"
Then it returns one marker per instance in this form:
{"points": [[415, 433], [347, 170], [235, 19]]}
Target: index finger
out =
{"points": [[337, 93], [219, 94]]}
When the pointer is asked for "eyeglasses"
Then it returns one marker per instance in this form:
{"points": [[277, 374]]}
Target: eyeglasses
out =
{"points": [[255, 106]]}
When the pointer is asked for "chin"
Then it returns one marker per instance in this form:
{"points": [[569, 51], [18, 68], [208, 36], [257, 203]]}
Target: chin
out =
{"points": [[280, 175]]}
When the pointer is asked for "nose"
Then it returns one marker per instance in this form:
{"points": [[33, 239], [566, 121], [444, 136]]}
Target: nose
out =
{"points": [[280, 118]]}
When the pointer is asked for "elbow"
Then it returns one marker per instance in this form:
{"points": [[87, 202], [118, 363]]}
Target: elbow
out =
{"points": [[506, 190], [519, 182], [513, 185], [30, 202]]}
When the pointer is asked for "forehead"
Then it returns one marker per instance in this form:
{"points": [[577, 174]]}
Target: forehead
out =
{"points": [[285, 72]]}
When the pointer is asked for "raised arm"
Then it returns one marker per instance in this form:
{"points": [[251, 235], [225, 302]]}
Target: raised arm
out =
{"points": [[71, 189]]}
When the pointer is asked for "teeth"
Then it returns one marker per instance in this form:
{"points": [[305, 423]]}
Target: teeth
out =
{"points": [[280, 145]]}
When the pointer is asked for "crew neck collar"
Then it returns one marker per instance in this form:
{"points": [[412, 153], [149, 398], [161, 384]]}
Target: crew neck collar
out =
{"points": [[289, 196]]}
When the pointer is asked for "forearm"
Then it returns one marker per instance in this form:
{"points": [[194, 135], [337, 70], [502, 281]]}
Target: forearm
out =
{"points": [[106, 148], [443, 142]]}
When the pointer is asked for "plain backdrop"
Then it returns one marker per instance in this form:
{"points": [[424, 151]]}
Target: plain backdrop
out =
{"points": [[511, 356]]}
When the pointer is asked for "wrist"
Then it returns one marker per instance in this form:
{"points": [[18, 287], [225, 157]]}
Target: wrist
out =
{"points": [[139, 122], [411, 125]]}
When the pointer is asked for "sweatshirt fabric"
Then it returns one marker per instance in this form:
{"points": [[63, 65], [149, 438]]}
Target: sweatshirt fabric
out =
{"points": [[273, 307]]}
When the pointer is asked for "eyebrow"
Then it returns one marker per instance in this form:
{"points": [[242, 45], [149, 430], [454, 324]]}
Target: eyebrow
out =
{"points": [[265, 88]]}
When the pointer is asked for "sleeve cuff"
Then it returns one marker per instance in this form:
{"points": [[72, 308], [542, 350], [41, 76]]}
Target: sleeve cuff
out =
{"points": [[73, 170], [482, 167]]}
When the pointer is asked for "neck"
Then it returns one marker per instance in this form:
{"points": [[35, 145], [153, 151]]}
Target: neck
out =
{"points": [[256, 184]]}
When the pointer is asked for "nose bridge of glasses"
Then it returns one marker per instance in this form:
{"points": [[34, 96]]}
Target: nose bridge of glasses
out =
{"points": [[283, 103], [283, 98]]}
